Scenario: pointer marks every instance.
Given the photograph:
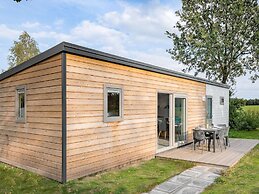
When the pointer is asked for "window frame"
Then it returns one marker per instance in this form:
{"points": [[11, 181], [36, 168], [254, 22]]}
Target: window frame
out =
{"points": [[107, 88], [20, 119], [220, 100], [211, 108]]}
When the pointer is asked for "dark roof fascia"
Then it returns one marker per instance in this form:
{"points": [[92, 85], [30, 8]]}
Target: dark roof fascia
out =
{"points": [[37, 59], [94, 54], [91, 53]]}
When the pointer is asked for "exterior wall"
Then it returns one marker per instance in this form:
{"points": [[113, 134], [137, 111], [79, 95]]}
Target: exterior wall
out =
{"points": [[220, 113], [36, 144], [93, 145]]}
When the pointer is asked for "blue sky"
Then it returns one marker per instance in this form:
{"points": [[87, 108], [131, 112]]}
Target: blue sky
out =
{"points": [[133, 29]]}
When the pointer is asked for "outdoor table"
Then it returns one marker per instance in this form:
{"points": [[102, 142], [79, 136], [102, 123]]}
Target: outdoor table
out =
{"points": [[213, 131]]}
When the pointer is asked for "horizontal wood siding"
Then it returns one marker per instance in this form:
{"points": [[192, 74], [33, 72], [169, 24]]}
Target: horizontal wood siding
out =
{"points": [[93, 145], [36, 144]]}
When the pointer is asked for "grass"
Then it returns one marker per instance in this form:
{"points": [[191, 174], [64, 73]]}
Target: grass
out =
{"points": [[242, 178], [251, 108], [254, 134], [136, 179]]}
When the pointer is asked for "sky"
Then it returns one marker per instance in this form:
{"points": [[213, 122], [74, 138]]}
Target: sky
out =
{"points": [[133, 29]]}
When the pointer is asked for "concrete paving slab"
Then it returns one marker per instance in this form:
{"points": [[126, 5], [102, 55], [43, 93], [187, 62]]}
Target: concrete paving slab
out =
{"points": [[154, 191], [168, 186], [189, 190], [209, 176], [180, 179], [191, 173], [192, 181], [197, 182]]}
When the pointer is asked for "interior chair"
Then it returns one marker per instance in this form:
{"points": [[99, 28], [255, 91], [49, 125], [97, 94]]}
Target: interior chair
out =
{"points": [[162, 127]]}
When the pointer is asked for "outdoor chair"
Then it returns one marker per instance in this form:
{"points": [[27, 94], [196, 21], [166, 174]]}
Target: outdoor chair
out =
{"points": [[226, 132], [226, 136], [220, 138], [208, 135], [198, 136]]}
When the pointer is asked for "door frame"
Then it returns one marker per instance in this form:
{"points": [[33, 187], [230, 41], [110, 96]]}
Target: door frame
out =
{"points": [[206, 109], [170, 120], [178, 95], [172, 96]]}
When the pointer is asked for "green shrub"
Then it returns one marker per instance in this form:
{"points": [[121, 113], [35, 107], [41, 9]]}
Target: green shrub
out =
{"points": [[246, 120], [235, 111], [240, 119], [251, 120]]}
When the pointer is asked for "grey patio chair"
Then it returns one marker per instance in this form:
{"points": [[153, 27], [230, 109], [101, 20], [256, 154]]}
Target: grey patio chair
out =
{"points": [[198, 136], [226, 132], [220, 138], [226, 136]]}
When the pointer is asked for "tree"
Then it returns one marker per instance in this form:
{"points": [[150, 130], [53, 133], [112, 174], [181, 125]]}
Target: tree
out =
{"points": [[22, 50], [219, 38]]}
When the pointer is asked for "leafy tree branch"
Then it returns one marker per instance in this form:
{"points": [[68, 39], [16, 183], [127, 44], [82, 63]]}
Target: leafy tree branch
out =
{"points": [[219, 38]]}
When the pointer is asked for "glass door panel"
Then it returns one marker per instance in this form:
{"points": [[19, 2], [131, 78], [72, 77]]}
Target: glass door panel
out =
{"points": [[180, 121], [163, 121], [209, 111]]}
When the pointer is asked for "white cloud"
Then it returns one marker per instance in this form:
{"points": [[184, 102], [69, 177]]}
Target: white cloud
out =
{"points": [[246, 89], [157, 59], [143, 22], [50, 35], [6, 32], [59, 23], [98, 35], [29, 25], [81, 3]]}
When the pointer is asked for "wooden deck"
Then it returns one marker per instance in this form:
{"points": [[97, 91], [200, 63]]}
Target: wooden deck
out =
{"points": [[226, 158]]}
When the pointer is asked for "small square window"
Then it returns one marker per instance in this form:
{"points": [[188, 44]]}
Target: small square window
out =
{"points": [[20, 104], [113, 103], [221, 100]]}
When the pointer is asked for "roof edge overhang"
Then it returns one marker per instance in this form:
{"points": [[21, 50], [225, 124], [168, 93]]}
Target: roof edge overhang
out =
{"points": [[33, 61], [94, 54]]}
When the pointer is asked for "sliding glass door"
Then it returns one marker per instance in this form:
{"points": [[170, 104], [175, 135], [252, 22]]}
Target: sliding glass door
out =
{"points": [[163, 121], [180, 121], [171, 121]]}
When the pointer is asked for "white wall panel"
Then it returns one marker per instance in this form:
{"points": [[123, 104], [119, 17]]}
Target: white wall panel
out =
{"points": [[220, 113]]}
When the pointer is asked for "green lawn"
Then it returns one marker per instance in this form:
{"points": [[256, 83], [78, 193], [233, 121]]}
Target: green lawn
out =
{"points": [[251, 108], [136, 179], [254, 134], [242, 178]]}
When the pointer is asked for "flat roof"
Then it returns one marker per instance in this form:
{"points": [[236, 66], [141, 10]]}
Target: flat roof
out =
{"points": [[94, 54]]}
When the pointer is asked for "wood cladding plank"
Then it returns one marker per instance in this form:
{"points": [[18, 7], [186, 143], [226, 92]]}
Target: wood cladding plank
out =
{"points": [[24, 165], [36, 144], [90, 140], [98, 166]]}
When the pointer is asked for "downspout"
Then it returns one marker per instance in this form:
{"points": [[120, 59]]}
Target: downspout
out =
{"points": [[64, 117]]}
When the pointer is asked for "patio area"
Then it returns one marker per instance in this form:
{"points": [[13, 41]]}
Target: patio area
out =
{"points": [[226, 158]]}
